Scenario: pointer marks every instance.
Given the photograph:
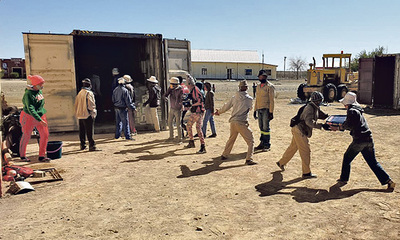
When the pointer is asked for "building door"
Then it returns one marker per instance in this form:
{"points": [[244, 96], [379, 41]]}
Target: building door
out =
{"points": [[384, 81], [229, 73], [18, 70]]}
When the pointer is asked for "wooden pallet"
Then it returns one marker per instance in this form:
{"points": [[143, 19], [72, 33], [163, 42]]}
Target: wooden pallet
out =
{"points": [[52, 175]]}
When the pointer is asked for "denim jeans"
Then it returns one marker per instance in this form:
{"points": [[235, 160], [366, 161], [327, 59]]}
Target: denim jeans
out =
{"points": [[208, 117], [122, 122], [368, 151], [263, 123]]}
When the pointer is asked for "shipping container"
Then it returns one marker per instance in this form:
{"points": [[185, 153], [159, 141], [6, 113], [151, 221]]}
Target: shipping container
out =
{"points": [[380, 81], [63, 60]]}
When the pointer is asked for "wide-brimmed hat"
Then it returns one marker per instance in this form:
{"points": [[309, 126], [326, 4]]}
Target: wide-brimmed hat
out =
{"points": [[121, 80], [349, 99], [127, 78], [35, 79], [86, 80], [174, 80], [152, 79], [243, 83]]}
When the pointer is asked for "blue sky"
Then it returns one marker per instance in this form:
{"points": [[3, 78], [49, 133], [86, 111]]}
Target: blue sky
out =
{"points": [[279, 28]]}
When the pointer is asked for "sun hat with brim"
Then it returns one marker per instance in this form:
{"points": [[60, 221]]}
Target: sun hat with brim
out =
{"points": [[349, 99], [121, 80], [86, 80], [152, 79], [243, 83], [174, 80], [35, 79], [127, 78]]}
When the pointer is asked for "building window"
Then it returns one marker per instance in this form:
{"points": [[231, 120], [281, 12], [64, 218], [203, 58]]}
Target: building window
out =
{"points": [[268, 71], [249, 72], [204, 71]]}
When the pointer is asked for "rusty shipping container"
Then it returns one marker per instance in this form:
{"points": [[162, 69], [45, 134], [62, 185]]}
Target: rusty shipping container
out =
{"points": [[380, 81], [63, 60]]}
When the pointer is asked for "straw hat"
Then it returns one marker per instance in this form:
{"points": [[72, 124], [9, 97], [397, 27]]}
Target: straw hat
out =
{"points": [[152, 79], [127, 78], [174, 80], [243, 83], [121, 80]]}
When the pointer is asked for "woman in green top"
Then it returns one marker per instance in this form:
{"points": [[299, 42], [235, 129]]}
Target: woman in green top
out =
{"points": [[34, 115]]}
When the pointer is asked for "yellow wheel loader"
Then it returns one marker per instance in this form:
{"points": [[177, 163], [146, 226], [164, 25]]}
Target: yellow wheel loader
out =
{"points": [[334, 79]]}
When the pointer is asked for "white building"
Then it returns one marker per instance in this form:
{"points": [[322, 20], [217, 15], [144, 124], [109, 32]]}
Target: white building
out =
{"points": [[229, 64]]}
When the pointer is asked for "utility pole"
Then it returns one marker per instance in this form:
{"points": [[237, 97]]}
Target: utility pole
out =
{"points": [[284, 66], [262, 60]]}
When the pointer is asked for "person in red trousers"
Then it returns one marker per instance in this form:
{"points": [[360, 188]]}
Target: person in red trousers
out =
{"points": [[34, 115]]}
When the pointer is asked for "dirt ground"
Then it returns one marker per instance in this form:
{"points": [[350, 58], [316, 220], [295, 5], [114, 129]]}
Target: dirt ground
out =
{"points": [[153, 189]]}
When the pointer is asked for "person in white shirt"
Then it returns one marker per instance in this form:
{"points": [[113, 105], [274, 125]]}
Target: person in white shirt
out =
{"points": [[241, 103]]}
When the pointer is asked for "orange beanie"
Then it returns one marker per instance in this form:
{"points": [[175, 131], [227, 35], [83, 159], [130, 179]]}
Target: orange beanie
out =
{"points": [[35, 79]]}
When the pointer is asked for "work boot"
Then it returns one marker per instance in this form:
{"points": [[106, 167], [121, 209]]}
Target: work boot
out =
{"points": [[391, 185], [191, 144], [202, 149], [259, 147]]}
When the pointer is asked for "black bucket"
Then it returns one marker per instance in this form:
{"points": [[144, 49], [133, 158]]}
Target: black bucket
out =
{"points": [[54, 149]]}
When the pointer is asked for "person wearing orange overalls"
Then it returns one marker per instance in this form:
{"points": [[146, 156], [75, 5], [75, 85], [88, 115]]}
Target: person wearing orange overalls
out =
{"points": [[34, 115]]}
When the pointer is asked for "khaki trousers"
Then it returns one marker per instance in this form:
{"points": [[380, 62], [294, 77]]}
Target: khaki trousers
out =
{"points": [[245, 131], [299, 142], [174, 114], [154, 118]]}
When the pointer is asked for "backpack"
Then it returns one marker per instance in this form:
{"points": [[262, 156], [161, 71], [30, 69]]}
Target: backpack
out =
{"points": [[193, 96], [296, 119]]}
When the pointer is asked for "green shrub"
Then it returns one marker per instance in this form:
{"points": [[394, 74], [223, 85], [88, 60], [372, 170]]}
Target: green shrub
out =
{"points": [[14, 75]]}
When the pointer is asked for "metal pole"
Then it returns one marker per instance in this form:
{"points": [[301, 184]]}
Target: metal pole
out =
{"points": [[284, 66]]}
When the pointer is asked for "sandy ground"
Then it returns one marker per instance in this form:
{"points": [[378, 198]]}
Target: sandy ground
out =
{"points": [[153, 189]]}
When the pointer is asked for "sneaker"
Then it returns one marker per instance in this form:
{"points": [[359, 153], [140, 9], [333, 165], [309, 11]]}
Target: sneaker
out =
{"points": [[250, 162], [391, 185], [94, 149], [282, 167], [309, 175], [212, 135], [223, 157], [83, 147]]}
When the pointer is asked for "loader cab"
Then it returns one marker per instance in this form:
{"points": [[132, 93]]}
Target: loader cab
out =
{"points": [[336, 68]]}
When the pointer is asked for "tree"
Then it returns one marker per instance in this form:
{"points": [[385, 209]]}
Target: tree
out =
{"points": [[364, 54], [297, 64]]}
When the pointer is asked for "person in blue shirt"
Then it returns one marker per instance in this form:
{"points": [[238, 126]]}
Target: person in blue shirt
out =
{"points": [[122, 101]]}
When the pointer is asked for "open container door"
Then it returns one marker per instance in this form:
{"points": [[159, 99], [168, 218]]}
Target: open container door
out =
{"points": [[177, 60], [365, 83], [52, 57]]}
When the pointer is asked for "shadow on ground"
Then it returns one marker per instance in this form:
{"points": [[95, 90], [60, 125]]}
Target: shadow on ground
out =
{"points": [[305, 194], [212, 166]]}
